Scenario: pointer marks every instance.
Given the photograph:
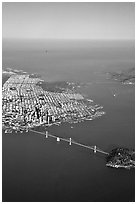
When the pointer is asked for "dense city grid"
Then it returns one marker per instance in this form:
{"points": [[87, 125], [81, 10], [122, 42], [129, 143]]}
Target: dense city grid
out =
{"points": [[26, 104]]}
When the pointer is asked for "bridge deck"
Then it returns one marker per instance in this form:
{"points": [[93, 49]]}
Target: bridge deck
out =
{"points": [[73, 142]]}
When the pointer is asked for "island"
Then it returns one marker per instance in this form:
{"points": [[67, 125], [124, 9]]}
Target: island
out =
{"points": [[121, 158], [124, 76]]}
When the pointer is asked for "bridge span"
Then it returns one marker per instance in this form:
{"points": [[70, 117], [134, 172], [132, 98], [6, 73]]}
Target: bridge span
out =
{"points": [[70, 141]]}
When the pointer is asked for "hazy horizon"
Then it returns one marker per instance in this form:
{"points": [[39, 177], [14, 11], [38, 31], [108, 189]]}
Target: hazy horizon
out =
{"points": [[59, 20]]}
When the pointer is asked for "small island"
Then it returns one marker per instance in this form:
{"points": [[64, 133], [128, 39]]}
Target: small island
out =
{"points": [[125, 76], [121, 158]]}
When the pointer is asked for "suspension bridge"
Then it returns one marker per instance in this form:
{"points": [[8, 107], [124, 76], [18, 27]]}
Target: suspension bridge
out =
{"points": [[70, 142]]}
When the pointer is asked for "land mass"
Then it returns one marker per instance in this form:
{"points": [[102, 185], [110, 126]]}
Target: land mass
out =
{"points": [[25, 104], [121, 158], [125, 77]]}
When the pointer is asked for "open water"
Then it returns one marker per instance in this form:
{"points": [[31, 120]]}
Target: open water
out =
{"points": [[39, 169]]}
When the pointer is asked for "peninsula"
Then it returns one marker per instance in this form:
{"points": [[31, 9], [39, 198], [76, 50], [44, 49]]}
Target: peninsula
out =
{"points": [[25, 104]]}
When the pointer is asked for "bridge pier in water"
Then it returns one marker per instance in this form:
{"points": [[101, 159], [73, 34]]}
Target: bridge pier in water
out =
{"points": [[95, 149], [46, 134], [58, 139]]}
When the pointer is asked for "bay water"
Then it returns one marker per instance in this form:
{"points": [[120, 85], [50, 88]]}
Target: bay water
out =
{"points": [[38, 169]]}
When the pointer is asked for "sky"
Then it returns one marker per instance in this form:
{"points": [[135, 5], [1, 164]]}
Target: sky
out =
{"points": [[90, 20]]}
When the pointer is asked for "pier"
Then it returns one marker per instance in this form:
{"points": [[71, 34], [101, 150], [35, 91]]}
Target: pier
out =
{"points": [[70, 142]]}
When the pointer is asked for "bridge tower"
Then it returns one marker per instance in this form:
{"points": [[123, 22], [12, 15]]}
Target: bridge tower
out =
{"points": [[95, 149], [70, 141], [46, 134]]}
